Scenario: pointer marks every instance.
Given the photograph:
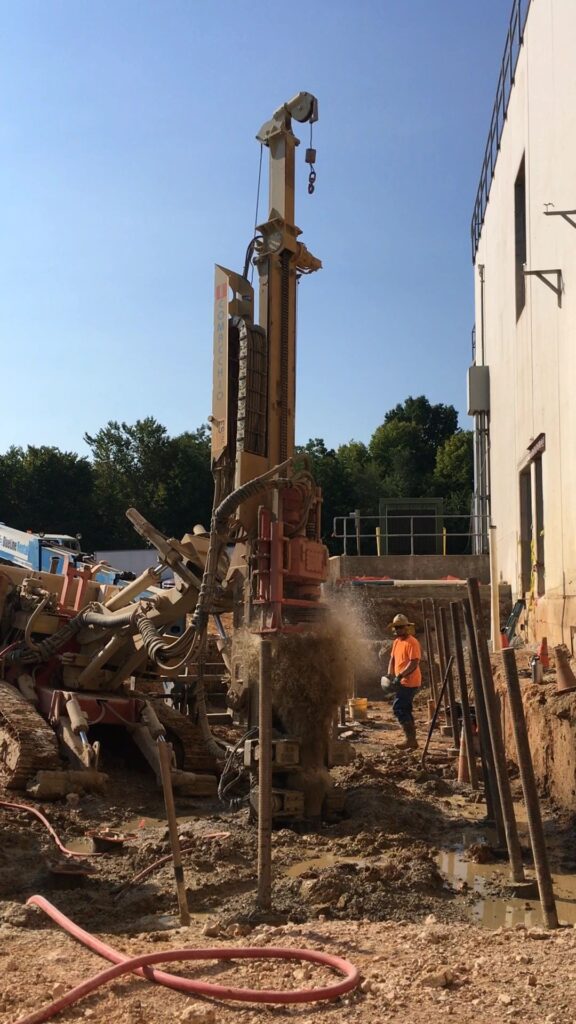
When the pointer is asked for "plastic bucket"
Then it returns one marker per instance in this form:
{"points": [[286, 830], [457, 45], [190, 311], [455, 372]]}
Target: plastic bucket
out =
{"points": [[358, 708]]}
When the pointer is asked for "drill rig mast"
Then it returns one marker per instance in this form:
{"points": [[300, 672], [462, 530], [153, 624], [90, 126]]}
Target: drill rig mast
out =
{"points": [[279, 562], [279, 553]]}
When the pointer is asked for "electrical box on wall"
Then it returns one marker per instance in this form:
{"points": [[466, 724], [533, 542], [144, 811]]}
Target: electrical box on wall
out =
{"points": [[478, 390]]}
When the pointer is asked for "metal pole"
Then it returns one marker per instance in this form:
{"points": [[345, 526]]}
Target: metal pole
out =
{"points": [[264, 896], [378, 541], [436, 710], [165, 759], [531, 799], [455, 725], [430, 654], [486, 756], [512, 841], [463, 683], [494, 592], [441, 656]]}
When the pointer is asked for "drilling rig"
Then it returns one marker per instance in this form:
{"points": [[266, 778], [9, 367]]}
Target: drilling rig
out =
{"points": [[76, 653], [279, 561]]}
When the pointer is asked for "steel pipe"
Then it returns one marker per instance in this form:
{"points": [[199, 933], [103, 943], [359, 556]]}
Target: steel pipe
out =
{"points": [[495, 729], [463, 684], [531, 799]]}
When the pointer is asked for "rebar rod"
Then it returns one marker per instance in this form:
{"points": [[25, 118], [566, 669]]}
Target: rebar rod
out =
{"points": [[454, 723], [165, 759], [441, 656], [463, 685]]}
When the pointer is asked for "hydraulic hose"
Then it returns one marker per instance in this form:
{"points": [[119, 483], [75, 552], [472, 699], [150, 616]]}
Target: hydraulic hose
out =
{"points": [[142, 965], [220, 517], [38, 814], [90, 616]]}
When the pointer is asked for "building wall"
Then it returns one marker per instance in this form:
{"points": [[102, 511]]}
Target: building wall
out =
{"points": [[533, 360]]}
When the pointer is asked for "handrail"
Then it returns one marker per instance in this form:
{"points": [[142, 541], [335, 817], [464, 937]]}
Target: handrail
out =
{"points": [[514, 40], [356, 528]]}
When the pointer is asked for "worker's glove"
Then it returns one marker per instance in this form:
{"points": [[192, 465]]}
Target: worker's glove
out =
{"points": [[386, 684], [390, 685]]}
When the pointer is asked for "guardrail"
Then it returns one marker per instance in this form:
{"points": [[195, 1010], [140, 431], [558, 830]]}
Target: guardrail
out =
{"points": [[512, 49], [419, 534]]}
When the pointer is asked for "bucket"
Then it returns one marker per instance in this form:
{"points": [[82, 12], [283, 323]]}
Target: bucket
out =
{"points": [[358, 708]]}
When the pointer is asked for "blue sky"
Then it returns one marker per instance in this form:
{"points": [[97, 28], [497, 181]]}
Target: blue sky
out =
{"points": [[128, 167]]}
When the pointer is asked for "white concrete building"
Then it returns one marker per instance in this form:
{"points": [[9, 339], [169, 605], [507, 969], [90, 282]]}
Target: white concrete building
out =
{"points": [[524, 251]]}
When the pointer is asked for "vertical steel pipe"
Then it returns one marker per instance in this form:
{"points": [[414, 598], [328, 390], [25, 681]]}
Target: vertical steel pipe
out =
{"points": [[541, 865], [429, 653], [494, 726], [441, 656], [454, 724], [463, 684], [264, 895], [488, 770], [165, 759]]}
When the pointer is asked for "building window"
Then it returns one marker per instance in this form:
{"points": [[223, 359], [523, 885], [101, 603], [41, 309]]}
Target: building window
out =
{"points": [[532, 521], [520, 236]]}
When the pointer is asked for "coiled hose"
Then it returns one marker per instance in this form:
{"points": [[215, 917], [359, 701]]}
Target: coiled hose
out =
{"points": [[142, 965], [92, 615]]}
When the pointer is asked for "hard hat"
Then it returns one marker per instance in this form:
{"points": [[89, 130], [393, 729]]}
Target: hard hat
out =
{"points": [[401, 620]]}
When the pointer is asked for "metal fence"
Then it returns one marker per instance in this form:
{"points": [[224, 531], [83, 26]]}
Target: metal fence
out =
{"points": [[398, 534], [512, 49]]}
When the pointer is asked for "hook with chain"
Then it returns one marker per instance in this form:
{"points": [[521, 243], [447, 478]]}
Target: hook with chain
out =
{"points": [[311, 159]]}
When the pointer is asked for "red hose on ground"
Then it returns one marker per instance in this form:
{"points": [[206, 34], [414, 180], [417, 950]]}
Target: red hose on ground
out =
{"points": [[38, 814], [142, 965], [164, 860]]}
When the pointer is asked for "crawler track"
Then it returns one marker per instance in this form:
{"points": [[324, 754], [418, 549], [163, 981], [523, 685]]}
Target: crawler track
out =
{"points": [[27, 743], [194, 756]]}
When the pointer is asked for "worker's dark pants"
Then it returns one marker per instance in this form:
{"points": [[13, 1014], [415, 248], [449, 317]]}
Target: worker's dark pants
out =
{"points": [[402, 706]]}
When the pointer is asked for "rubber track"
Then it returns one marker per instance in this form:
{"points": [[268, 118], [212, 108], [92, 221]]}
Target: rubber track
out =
{"points": [[27, 743], [196, 757]]}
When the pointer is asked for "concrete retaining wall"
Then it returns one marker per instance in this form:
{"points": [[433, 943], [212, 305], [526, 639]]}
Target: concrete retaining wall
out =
{"points": [[411, 567]]}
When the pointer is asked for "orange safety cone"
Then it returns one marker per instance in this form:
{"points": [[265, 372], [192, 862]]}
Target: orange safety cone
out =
{"points": [[543, 654], [463, 772], [565, 678]]}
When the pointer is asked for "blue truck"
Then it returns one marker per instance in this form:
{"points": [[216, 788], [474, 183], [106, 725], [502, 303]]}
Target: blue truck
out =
{"points": [[49, 552]]}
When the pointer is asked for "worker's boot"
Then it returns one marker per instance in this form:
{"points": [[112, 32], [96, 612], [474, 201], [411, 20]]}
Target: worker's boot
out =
{"points": [[410, 743]]}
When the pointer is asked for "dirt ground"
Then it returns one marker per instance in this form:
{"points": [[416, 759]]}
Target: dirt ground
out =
{"points": [[379, 887]]}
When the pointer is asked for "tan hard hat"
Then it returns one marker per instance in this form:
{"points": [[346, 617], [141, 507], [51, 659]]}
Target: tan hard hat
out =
{"points": [[401, 620]]}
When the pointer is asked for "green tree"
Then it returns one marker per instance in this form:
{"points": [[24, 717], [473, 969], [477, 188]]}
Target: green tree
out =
{"points": [[167, 479], [332, 476], [436, 422], [454, 471], [43, 488]]}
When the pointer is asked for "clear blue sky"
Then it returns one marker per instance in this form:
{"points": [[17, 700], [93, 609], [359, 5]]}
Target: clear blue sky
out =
{"points": [[128, 167]]}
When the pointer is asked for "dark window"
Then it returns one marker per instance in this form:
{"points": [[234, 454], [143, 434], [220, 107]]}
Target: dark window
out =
{"points": [[520, 236], [526, 528]]}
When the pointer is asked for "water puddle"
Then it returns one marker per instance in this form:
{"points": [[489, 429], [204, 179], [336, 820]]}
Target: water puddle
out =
{"points": [[329, 860], [506, 911], [80, 845]]}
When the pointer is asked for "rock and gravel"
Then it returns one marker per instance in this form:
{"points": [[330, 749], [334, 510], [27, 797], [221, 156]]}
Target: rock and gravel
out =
{"points": [[367, 886]]}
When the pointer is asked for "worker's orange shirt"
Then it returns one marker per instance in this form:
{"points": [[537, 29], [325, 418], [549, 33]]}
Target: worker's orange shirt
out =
{"points": [[404, 650]]}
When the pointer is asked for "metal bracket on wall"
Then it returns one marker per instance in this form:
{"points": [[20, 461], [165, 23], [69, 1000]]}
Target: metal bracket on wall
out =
{"points": [[568, 215], [543, 275]]}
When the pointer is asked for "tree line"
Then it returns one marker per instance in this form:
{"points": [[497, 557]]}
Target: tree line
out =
{"points": [[417, 451]]}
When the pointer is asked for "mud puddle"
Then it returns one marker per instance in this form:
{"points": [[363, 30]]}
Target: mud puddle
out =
{"points": [[329, 860], [495, 911]]}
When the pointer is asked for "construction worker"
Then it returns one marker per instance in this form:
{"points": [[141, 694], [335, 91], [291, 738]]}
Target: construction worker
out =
{"points": [[404, 678]]}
